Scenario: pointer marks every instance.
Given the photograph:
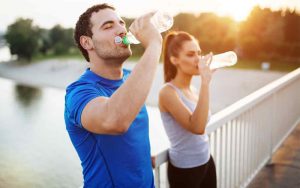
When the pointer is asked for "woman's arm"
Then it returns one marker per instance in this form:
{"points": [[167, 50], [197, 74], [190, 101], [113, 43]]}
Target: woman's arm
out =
{"points": [[196, 121]]}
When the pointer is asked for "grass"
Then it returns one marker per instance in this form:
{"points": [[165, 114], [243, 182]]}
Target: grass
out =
{"points": [[280, 66], [247, 64], [70, 56], [52, 56]]}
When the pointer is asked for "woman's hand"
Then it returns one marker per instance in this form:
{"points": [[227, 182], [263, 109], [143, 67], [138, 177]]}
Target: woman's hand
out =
{"points": [[204, 68]]}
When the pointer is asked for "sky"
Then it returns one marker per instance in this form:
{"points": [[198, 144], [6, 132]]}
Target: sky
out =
{"points": [[47, 13]]}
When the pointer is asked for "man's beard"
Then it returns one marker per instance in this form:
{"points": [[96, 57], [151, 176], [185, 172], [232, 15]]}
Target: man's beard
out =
{"points": [[116, 56]]}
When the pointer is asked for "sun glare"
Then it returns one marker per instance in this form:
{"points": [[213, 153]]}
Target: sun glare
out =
{"points": [[241, 14], [237, 9]]}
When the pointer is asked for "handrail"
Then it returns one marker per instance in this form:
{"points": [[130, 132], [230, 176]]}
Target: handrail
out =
{"points": [[237, 128], [247, 102]]}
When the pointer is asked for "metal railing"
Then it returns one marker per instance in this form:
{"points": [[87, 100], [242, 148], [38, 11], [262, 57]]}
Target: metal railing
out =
{"points": [[244, 136]]}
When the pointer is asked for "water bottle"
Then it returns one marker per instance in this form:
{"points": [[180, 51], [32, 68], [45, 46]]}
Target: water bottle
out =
{"points": [[162, 21], [223, 60]]}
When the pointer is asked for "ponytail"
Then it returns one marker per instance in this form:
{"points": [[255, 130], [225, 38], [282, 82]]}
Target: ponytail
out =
{"points": [[169, 68], [171, 47]]}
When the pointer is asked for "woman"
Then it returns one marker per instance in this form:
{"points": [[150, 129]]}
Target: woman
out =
{"points": [[185, 114]]}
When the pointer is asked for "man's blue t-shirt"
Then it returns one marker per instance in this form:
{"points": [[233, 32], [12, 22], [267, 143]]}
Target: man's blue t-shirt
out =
{"points": [[108, 160]]}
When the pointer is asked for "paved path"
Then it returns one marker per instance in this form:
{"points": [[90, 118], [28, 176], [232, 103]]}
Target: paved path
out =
{"points": [[284, 170]]}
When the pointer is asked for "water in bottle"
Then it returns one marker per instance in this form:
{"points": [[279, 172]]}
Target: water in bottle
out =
{"points": [[223, 60], [162, 21]]}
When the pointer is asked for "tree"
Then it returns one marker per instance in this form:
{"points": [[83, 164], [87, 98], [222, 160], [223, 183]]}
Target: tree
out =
{"points": [[61, 39], [44, 42], [185, 22], [291, 33], [261, 35], [215, 33], [22, 37]]}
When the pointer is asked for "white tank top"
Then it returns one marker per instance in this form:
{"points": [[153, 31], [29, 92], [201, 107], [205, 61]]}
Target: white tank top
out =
{"points": [[187, 150]]}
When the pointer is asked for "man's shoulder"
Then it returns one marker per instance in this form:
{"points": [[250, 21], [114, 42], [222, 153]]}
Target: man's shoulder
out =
{"points": [[80, 91], [79, 84]]}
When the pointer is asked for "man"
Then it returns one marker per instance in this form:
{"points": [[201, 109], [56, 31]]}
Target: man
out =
{"points": [[105, 113]]}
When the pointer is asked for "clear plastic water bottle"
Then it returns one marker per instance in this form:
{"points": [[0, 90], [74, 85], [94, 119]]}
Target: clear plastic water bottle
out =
{"points": [[162, 21], [223, 60]]}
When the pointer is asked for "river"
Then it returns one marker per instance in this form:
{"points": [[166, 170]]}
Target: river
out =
{"points": [[35, 149]]}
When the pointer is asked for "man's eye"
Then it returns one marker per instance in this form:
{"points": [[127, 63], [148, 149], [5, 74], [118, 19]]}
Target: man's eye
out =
{"points": [[108, 26]]}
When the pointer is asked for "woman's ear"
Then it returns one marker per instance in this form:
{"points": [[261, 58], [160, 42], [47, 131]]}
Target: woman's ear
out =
{"points": [[86, 43], [173, 60]]}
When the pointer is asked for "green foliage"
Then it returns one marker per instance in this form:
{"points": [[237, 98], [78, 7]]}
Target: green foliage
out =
{"points": [[214, 33], [27, 40], [270, 35], [291, 27], [61, 39], [185, 22], [266, 35], [44, 42], [22, 37]]}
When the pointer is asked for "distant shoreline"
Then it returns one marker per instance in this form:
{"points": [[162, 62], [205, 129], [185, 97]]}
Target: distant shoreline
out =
{"points": [[48, 73], [228, 85]]}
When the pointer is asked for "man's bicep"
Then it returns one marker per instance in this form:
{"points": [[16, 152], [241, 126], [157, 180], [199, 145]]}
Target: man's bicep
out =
{"points": [[93, 114]]}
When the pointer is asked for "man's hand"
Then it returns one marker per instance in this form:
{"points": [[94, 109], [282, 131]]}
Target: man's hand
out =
{"points": [[153, 161], [144, 30]]}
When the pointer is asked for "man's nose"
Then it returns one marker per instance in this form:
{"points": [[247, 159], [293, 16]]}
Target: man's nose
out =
{"points": [[121, 31]]}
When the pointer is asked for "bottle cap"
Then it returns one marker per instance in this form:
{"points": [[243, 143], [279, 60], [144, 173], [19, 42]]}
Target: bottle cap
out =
{"points": [[125, 40]]}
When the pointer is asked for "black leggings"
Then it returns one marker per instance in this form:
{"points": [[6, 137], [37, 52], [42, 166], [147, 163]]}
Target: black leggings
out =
{"points": [[203, 176]]}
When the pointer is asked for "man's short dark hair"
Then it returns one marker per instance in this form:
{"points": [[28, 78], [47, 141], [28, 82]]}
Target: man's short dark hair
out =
{"points": [[83, 26]]}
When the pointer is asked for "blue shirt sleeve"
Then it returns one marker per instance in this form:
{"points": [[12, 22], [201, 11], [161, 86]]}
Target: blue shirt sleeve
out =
{"points": [[77, 99]]}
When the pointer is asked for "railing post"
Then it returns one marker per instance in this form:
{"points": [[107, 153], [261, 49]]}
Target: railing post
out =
{"points": [[159, 160], [272, 126], [157, 177]]}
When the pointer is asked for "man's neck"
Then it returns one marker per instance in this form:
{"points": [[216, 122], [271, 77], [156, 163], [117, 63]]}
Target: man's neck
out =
{"points": [[107, 69]]}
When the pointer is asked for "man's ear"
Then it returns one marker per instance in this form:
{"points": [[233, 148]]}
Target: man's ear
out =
{"points": [[86, 42]]}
